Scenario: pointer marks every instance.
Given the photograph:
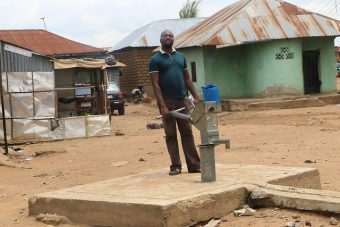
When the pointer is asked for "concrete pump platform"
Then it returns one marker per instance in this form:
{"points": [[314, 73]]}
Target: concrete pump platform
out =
{"points": [[157, 199]]}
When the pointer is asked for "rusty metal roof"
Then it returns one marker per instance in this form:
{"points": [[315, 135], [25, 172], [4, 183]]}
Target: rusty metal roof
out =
{"points": [[248, 21], [148, 35], [46, 43]]}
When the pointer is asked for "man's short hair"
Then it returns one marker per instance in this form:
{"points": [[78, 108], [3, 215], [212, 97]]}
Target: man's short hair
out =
{"points": [[166, 30]]}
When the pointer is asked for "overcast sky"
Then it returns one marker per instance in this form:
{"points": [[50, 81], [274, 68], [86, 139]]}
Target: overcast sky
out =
{"points": [[102, 23]]}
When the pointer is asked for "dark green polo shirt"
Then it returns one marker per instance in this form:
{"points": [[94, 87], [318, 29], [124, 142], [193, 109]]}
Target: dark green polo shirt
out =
{"points": [[170, 68]]}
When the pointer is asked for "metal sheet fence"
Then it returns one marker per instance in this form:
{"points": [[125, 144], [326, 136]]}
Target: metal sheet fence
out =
{"points": [[28, 91], [78, 127]]}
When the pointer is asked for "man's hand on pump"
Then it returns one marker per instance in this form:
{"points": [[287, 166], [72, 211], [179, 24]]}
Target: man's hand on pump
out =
{"points": [[196, 100], [164, 111]]}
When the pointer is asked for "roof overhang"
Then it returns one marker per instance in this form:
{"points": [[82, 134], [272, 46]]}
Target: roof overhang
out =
{"points": [[8, 46]]}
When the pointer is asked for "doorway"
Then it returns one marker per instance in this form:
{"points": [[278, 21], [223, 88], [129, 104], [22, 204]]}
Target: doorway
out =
{"points": [[311, 77]]}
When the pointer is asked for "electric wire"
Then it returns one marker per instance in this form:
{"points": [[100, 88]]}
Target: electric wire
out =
{"points": [[327, 10], [330, 11], [317, 8]]}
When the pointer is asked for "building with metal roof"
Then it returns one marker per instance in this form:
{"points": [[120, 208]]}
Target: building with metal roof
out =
{"points": [[49, 44], [248, 21], [136, 49], [262, 48]]}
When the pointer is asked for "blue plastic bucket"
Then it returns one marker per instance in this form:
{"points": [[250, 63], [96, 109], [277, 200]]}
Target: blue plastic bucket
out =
{"points": [[211, 93]]}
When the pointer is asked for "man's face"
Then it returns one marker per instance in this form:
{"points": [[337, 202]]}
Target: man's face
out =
{"points": [[167, 39]]}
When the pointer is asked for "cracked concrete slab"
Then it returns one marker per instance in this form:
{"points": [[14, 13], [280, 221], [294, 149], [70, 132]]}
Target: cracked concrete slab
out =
{"points": [[296, 198], [156, 199]]}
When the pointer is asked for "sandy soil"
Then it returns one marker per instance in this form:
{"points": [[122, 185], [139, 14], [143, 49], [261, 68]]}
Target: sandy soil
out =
{"points": [[275, 137]]}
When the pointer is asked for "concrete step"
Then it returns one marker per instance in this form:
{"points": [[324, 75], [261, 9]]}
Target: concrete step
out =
{"points": [[279, 103]]}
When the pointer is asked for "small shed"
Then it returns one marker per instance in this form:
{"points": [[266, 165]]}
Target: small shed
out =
{"points": [[262, 48], [38, 107], [30, 100]]}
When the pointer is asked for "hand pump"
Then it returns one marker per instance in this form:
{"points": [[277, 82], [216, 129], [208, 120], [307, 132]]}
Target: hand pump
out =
{"points": [[204, 118]]}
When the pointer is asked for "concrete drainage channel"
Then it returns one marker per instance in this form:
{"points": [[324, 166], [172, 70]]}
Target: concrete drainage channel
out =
{"points": [[156, 199], [279, 103]]}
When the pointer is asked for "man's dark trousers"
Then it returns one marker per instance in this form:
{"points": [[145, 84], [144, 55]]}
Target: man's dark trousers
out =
{"points": [[184, 126]]}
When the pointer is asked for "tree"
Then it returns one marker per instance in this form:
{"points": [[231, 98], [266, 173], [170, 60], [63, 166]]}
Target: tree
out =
{"points": [[190, 9]]}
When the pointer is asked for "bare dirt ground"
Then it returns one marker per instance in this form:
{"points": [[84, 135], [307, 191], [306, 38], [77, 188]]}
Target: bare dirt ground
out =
{"points": [[274, 137]]}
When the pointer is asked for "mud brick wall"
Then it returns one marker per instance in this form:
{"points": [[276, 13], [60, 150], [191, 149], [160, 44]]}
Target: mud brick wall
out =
{"points": [[136, 72]]}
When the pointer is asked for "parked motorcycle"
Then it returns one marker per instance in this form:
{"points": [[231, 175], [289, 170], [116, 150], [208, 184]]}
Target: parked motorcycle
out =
{"points": [[137, 94]]}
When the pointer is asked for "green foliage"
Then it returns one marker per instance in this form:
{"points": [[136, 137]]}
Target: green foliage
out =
{"points": [[190, 9]]}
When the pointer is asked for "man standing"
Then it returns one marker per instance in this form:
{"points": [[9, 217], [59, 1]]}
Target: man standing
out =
{"points": [[171, 81]]}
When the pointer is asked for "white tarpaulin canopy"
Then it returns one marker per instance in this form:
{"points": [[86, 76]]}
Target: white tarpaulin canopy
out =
{"points": [[79, 63]]}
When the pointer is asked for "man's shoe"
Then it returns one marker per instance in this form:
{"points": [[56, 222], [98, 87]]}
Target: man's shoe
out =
{"points": [[194, 171], [174, 172]]}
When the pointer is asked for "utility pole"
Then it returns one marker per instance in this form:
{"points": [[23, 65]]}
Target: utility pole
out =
{"points": [[43, 19], [2, 100], [336, 5]]}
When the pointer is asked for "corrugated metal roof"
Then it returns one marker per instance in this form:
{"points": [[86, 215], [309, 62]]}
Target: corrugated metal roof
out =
{"points": [[46, 43], [148, 35], [249, 21]]}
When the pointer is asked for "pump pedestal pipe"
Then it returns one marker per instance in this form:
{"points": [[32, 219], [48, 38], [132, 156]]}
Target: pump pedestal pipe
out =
{"points": [[204, 118]]}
